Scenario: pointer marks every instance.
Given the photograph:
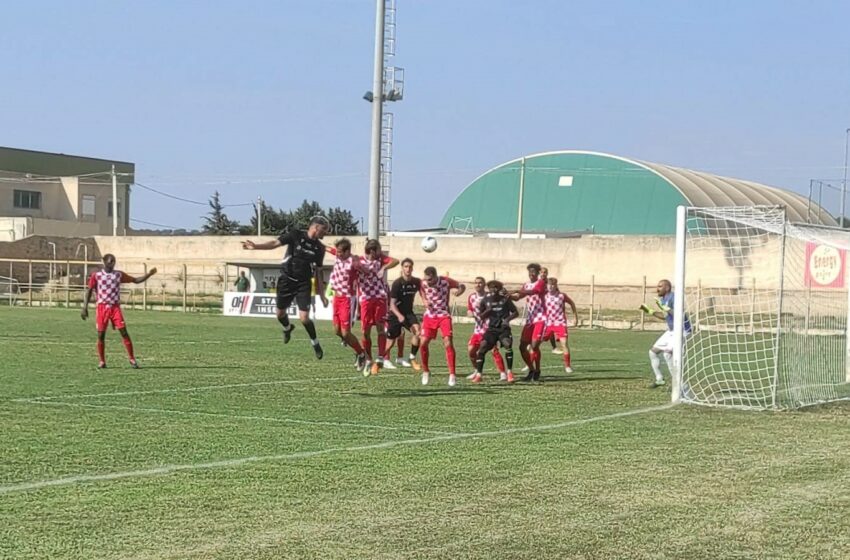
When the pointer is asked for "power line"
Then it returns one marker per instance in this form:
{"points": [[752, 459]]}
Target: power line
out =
{"points": [[187, 200], [153, 224]]}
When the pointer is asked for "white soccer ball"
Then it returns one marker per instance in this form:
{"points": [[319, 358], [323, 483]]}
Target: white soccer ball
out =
{"points": [[429, 244]]}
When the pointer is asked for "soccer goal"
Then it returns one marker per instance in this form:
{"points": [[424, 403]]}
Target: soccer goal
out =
{"points": [[767, 302]]}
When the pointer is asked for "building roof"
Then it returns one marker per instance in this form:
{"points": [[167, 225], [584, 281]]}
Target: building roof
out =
{"points": [[61, 165], [576, 190]]}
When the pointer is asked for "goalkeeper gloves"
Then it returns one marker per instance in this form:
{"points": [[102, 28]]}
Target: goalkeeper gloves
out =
{"points": [[662, 307], [645, 308]]}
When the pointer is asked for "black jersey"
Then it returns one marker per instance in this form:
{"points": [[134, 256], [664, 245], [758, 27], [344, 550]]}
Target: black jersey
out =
{"points": [[500, 310], [302, 256], [403, 291]]}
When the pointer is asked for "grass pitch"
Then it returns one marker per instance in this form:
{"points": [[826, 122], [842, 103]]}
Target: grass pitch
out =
{"points": [[228, 444]]}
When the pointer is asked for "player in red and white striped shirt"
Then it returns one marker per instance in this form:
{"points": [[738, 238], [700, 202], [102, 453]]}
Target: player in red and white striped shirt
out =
{"points": [[343, 279], [535, 320], [106, 284], [556, 319], [373, 301], [435, 294], [473, 308]]}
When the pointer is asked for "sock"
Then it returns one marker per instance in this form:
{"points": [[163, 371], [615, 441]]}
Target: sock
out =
{"points": [[450, 359], [424, 349], [535, 359], [656, 366], [311, 330], [414, 349], [497, 359], [552, 342], [382, 344], [367, 346], [284, 321], [509, 357], [479, 363], [128, 344], [567, 360], [101, 350]]}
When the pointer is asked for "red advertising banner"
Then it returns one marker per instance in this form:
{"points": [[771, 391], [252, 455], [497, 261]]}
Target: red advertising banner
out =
{"points": [[824, 266]]}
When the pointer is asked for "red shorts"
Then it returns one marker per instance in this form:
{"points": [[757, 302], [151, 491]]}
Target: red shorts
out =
{"points": [[109, 314], [430, 326], [373, 312], [475, 340], [342, 312], [532, 331], [560, 332]]}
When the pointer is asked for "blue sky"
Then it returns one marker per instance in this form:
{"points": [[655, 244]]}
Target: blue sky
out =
{"points": [[264, 98]]}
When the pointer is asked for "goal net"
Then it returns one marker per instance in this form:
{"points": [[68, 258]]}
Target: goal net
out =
{"points": [[767, 302]]}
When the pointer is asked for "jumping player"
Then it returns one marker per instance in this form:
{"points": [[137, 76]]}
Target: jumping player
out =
{"points": [[535, 321], [497, 310], [402, 293], [106, 283], [435, 294], [373, 301], [473, 307], [556, 319], [301, 263], [342, 282]]}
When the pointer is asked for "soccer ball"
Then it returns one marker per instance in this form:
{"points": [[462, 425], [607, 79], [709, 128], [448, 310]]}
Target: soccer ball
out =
{"points": [[429, 244]]}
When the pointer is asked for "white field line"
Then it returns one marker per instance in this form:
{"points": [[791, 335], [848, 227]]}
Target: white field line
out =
{"points": [[166, 411], [40, 342], [186, 389], [228, 463]]}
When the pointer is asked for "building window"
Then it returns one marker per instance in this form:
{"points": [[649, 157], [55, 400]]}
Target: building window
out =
{"points": [[565, 181], [88, 208], [28, 199], [109, 209]]}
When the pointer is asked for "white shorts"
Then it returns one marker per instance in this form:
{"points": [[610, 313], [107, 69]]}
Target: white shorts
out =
{"points": [[664, 342]]}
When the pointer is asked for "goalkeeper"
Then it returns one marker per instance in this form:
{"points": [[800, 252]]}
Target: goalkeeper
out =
{"points": [[664, 345]]}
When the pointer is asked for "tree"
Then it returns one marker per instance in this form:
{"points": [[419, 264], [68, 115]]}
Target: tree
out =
{"points": [[216, 221], [342, 222]]}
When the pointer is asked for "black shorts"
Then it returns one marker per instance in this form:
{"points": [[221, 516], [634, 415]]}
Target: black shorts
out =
{"points": [[394, 326], [500, 336], [289, 289]]}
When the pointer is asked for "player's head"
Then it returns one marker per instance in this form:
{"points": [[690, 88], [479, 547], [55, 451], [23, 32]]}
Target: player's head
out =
{"points": [[495, 288], [407, 267], [479, 284], [663, 288], [373, 249], [552, 284], [109, 262], [533, 271], [544, 272], [430, 274], [343, 248], [319, 226], [243, 274]]}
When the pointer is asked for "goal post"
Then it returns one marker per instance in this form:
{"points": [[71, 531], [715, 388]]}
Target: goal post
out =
{"points": [[767, 302]]}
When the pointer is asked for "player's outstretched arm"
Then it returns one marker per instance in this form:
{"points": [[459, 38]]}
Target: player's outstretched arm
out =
{"points": [[249, 245], [144, 278], [389, 263], [320, 285]]}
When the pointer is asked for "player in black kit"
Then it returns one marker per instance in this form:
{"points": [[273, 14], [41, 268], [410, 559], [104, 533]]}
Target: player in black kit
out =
{"points": [[498, 310], [401, 315], [301, 263]]}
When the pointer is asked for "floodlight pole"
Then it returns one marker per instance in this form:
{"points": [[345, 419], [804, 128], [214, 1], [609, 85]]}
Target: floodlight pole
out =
{"points": [[377, 118], [259, 216]]}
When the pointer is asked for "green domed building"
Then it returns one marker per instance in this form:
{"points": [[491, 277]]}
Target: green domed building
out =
{"points": [[557, 193]]}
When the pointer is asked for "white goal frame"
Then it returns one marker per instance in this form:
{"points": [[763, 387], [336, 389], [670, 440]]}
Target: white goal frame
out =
{"points": [[802, 373]]}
